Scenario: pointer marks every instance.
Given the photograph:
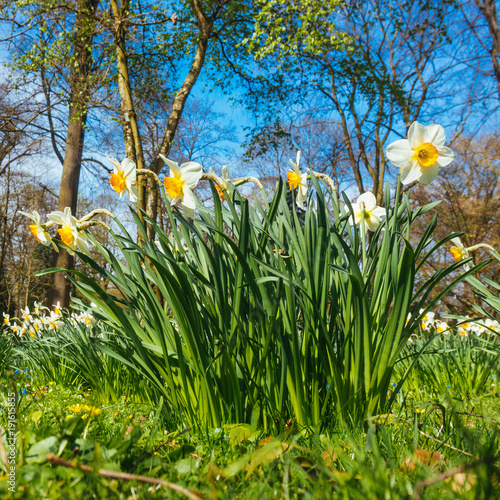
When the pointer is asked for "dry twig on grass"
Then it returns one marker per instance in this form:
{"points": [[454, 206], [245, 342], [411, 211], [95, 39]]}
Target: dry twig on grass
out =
{"points": [[124, 475]]}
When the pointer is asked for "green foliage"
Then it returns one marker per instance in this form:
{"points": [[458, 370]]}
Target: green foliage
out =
{"points": [[5, 347], [70, 356], [451, 363], [263, 319], [283, 28]]}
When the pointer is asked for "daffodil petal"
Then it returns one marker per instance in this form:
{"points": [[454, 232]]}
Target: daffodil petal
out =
{"points": [[188, 200], [378, 211], [368, 199], [115, 163], [57, 217], [35, 216], [191, 173], [399, 152], [429, 174], [133, 194], [174, 166], [434, 134], [188, 211], [83, 245], [411, 172], [373, 222], [446, 156], [301, 197], [416, 135], [128, 168]]}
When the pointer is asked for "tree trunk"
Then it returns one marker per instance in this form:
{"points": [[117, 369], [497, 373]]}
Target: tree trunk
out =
{"points": [[79, 100], [205, 26], [147, 189], [131, 135], [4, 289]]}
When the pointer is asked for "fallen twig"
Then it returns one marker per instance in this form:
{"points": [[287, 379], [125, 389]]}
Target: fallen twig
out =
{"points": [[439, 441], [472, 415], [124, 475]]}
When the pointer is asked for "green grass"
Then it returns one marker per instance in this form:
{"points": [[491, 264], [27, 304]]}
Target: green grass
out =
{"points": [[238, 461], [71, 355], [451, 363]]}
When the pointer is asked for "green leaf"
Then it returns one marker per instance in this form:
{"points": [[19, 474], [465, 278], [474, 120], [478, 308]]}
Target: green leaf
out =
{"points": [[37, 454], [269, 452], [36, 416]]}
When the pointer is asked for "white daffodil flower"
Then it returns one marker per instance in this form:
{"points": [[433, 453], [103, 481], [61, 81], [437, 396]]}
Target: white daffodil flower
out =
{"points": [[57, 308], [38, 230], [26, 315], [39, 307], [478, 327], [459, 252], [226, 181], [69, 233], [366, 205], [420, 156], [464, 328], [492, 325], [123, 178], [55, 321], [86, 319], [427, 320], [179, 186], [442, 327], [297, 179]]}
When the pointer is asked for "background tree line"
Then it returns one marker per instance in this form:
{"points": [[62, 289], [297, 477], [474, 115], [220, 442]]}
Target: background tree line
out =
{"points": [[337, 80]]}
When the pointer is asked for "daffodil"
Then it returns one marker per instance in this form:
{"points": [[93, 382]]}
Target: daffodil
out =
{"points": [[179, 186], [464, 328], [86, 319], [123, 178], [26, 315], [6, 319], [226, 182], [366, 208], [38, 230], [427, 320], [492, 325], [69, 233], [297, 180], [57, 308], [55, 321], [39, 307], [442, 327], [478, 327], [459, 252], [408, 317], [421, 155]]}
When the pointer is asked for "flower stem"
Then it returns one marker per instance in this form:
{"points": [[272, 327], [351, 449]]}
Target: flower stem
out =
{"points": [[363, 238]]}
